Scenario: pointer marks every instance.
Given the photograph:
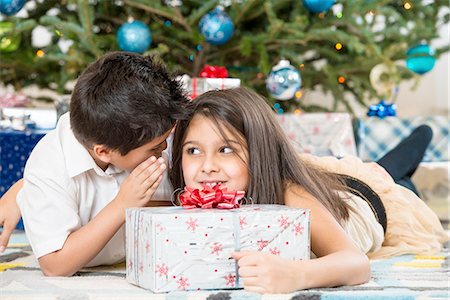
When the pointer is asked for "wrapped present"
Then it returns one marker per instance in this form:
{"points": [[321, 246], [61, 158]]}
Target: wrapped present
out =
{"points": [[378, 136], [211, 78], [172, 248], [15, 147], [14, 100], [320, 134]]}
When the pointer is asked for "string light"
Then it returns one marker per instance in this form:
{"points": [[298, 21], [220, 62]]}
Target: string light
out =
{"points": [[40, 53], [341, 79], [321, 15], [298, 94], [297, 111], [407, 5], [339, 15], [302, 66], [338, 46]]}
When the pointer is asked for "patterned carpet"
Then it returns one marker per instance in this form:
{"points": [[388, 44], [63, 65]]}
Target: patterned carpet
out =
{"points": [[403, 277]]}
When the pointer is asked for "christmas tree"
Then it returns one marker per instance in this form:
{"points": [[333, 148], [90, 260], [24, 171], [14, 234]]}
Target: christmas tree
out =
{"points": [[333, 44]]}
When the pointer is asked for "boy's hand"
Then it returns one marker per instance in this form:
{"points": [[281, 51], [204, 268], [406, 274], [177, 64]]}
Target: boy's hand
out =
{"points": [[9, 214], [141, 184], [267, 273]]}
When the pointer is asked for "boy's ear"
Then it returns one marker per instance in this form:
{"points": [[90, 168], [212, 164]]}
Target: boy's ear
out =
{"points": [[102, 153]]}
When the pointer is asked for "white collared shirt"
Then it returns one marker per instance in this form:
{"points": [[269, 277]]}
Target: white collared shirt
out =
{"points": [[64, 189]]}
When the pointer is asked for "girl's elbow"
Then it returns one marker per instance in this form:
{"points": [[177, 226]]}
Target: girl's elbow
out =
{"points": [[364, 270]]}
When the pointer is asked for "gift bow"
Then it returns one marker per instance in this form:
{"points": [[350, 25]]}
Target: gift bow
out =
{"points": [[382, 110], [213, 72], [210, 197]]}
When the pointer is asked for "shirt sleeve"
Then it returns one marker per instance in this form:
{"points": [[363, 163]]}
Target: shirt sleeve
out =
{"points": [[47, 200]]}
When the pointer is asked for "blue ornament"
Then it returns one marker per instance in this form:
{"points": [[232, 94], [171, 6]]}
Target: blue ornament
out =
{"points": [[318, 6], [420, 59], [10, 7], [216, 26], [134, 37], [283, 81], [382, 110]]}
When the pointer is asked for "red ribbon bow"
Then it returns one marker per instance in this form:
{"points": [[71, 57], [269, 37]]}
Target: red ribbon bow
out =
{"points": [[213, 72], [210, 197]]}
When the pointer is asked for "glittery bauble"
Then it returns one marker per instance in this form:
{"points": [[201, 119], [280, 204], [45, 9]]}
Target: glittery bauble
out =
{"points": [[283, 81], [318, 6], [216, 26], [10, 7], [9, 41], [420, 59], [134, 37], [382, 109]]}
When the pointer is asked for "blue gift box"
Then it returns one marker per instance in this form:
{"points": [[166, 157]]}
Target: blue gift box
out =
{"points": [[15, 147]]}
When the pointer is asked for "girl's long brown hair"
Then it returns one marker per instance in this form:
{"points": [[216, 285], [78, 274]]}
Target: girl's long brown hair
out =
{"points": [[273, 163]]}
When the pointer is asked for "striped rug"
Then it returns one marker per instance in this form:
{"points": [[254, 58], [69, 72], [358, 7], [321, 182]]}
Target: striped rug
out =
{"points": [[402, 277]]}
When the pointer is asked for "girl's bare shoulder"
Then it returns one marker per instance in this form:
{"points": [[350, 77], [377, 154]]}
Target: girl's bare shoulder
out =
{"points": [[296, 196]]}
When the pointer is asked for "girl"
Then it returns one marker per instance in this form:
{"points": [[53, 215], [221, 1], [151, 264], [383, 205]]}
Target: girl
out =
{"points": [[233, 138]]}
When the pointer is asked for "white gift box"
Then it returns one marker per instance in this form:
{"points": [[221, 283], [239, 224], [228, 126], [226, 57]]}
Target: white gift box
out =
{"points": [[320, 134], [172, 248], [196, 86]]}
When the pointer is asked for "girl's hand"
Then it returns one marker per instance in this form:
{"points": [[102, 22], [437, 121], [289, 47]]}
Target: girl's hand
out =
{"points": [[268, 273]]}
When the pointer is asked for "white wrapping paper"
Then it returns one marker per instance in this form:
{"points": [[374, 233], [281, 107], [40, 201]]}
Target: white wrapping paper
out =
{"points": [[172, 248]]}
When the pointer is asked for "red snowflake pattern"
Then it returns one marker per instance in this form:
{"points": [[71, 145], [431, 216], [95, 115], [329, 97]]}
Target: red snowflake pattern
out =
{"points": [[192, 224], [262, 244], [274, 251], [183, 283], [159, 227], [141, 267], [298, 229], [230, 280], [216, 248], [147, 247], [130, 265], [162, 270], [242, 221], [284, 222]]}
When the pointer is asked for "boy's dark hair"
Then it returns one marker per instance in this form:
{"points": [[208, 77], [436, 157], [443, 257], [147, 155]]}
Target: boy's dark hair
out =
{"points": [[124, 100]]}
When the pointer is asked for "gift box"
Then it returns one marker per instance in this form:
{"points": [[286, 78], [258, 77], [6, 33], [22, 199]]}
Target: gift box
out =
{"points": [[378, 136], [320, 134], [172, 248], [196, 86], [15, 147]]}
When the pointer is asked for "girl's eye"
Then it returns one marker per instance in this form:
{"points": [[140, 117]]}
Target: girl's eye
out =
{"points": [[193, 150], [226, 150]]}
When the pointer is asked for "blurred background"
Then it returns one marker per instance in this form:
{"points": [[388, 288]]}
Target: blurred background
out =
{"points": [[341, 55]]}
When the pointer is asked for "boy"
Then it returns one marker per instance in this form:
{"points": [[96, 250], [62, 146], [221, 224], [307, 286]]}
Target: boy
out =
{"points": [[102, 159]]}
